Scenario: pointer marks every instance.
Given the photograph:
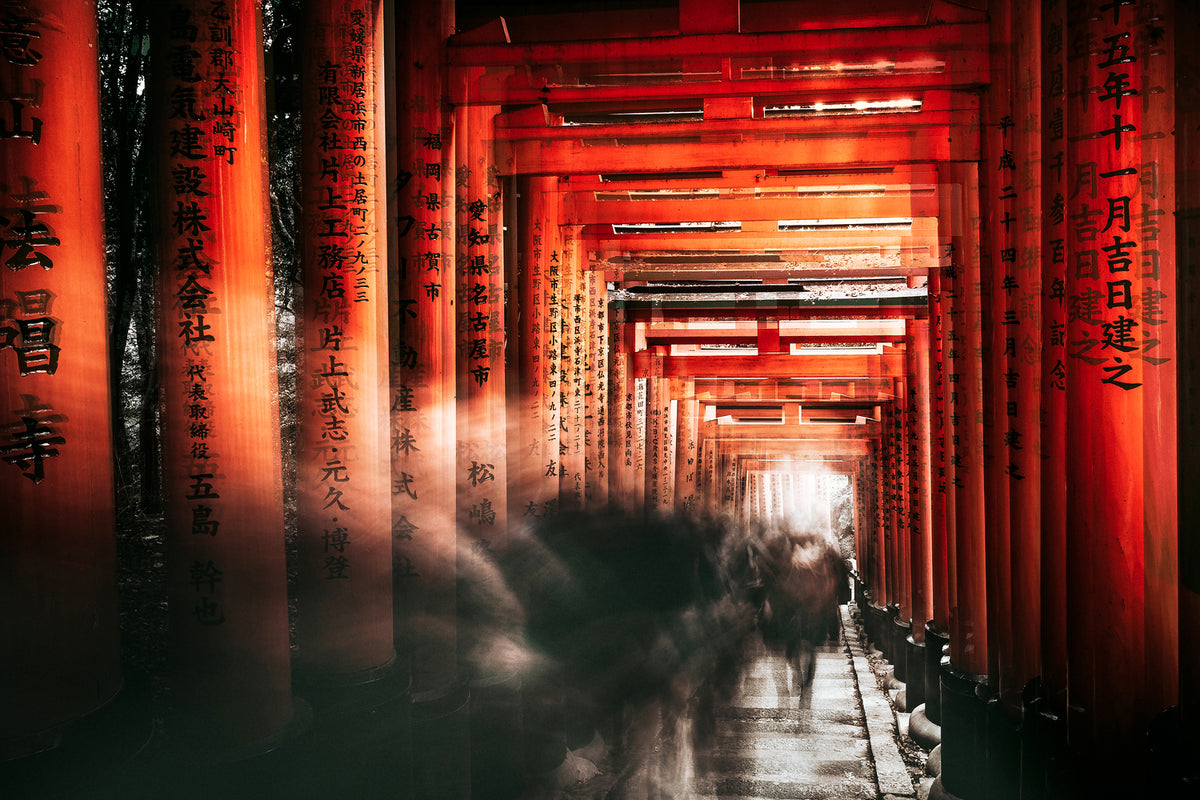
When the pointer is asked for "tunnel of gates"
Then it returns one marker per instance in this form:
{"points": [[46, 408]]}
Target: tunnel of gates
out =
{"points": [[698, 257]]}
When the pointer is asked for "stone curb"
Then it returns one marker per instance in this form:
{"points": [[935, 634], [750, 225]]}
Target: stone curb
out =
{"points": [[891, 773]]}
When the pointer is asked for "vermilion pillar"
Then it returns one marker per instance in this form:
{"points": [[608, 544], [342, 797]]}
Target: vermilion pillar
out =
{"points": [[597, 412], [660, 450], [919, 518], [1187, 166], [1159, 318], [968, 612], [552, 252], [687, 461], [1022, 340], [1106, 373], [860, 515], [536, 487], [623, 422], [641, 421], [879, 584], [343, 467], [998, 187], [60, 658], [223, 493], [481, 470], [571, 314], [421, 349], [1053, 544], [942, 469], [900, 445]]}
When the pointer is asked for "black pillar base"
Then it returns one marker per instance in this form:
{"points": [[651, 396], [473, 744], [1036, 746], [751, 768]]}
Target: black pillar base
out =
{"points": [[1003, 752], [361, 736], [874, 618], [889, 633], [498, 758], [964, 732], [1172, 745], [935, 644], [85, 756], [914, 661], [900, 636], [441, 729]]}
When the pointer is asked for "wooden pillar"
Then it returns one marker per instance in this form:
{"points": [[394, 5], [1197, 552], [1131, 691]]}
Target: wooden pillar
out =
{"points": [[711, 488], [343, 466], [687, 460], [482, 453], [860, 515], [223, 493], [1053, 543], [597, 412], [623, 427], [999, 189], [640, 421], [879, 583], [421, 336], [1187, 175], [900, 445], [61, 658], [916, 347], [1106, 373], [552, 252], [942, 470], [660, 445], [1160, 352], [571, 372], [1021, 283], [535, 490], [968, 612]]}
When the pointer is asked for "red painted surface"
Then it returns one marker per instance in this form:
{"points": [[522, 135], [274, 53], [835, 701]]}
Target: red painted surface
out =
{"points": [[921, 489], [343, 461], [1053, 543], [422, 286], [56, 481], [968, 609], [1024, 302], [942, 467], [221, 449], [1106, 372]]}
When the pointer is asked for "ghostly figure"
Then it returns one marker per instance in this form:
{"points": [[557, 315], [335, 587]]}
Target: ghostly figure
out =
{"points": [[796, 578]]}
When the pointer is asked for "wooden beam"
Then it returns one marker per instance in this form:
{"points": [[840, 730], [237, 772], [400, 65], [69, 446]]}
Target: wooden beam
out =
{"points": [[834, 46], [935, 112], [766, 180], [519, 86], [590, 211], [755, 238], [796, 331], [796, 432], [768, 366], [780, 307], [808, 391], [730, 151], [764, 442]]}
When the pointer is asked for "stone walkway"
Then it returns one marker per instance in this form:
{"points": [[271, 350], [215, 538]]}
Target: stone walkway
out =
{"points": [[836, 741]]}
